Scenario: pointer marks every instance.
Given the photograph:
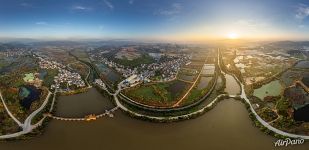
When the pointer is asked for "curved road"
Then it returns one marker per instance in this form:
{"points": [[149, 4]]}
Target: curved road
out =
{"points": [[242, 95], [26, 126]]}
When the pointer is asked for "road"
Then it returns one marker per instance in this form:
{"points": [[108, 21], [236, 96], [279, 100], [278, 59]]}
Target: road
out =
{"points": [[242, 95], [192, 86], [263, 122], [27, 127], [9, 112]]}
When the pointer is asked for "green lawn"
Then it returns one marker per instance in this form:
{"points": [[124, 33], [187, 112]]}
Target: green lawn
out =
{"points": [[145, 93]]}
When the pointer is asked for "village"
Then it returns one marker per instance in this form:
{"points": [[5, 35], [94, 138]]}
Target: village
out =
{"points": [[64, 75], [158, 71]]}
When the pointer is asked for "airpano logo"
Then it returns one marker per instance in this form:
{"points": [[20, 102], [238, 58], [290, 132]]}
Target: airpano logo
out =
{"points": [[288, 141]]}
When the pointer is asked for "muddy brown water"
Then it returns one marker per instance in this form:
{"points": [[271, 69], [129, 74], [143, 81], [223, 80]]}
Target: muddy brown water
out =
{"points": [[226, 127]]}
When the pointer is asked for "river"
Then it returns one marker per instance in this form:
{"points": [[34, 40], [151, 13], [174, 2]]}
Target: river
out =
{"points": [[227, 126], [232, 87]]}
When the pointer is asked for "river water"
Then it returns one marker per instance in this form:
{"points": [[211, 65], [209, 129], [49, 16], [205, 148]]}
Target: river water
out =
{"points": [[227, 126], [232, 87]]}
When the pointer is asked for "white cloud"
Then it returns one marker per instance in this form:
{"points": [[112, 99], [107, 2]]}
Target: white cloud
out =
{"points": [[81, 8], [174, 9], [302, 12], [109, 4], [41, 23]]}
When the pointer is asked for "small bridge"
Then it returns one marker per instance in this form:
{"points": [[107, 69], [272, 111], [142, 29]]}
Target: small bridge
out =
{"points": [[91, 117]]}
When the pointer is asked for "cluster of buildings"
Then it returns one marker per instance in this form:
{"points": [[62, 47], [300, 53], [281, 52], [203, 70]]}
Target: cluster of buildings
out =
{"points": [[64, 75], [13, 53], [166, 70], [71, 78], [132, 80]]}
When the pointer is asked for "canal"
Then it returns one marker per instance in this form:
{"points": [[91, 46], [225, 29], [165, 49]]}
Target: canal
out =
{"points": [[227, 126]]}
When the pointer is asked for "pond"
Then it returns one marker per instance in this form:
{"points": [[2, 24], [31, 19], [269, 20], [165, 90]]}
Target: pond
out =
{"points": [[288, 77], [302, 65], [176, 88], [110, 74], [301, 114], [28, 95], [271, 89]]}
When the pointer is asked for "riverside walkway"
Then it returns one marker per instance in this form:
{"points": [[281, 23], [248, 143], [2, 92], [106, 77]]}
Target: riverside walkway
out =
{"points": [[210, 105], [243, 95], [90, 117]]}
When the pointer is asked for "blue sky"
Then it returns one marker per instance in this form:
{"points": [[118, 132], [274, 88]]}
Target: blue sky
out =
{"points": [[179, 20]]}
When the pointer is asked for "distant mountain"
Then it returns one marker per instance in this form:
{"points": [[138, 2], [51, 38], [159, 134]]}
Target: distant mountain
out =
{"points": [[55, 43], [12, 45], [289, 44], [92, 43]]}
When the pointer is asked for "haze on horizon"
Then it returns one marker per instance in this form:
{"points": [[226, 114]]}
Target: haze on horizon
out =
{"points": [[172, 20]]}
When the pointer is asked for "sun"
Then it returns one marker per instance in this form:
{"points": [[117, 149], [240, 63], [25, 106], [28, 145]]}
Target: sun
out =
{"points": [[232, 35]]}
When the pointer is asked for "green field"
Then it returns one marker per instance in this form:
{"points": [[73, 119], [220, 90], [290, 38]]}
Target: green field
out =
{"points": [[160, 93], [144, 59], [271, 89], [156, 92], [145, 93], [49, 78], [80, 54]]}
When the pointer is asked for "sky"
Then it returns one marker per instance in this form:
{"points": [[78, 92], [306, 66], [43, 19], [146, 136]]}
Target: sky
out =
{"points": [[167, 20]]}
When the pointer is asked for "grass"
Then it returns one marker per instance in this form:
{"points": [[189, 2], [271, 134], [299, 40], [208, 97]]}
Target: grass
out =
{"points": [[154, 93], [194, 94], [144, 59], [271, 89], [161, 89], [145, 93], [157, 92], [82, 55], [49, 79]]}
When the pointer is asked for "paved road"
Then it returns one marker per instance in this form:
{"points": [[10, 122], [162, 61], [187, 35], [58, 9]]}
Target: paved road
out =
{"points": [[242, 95], [192, 86], [9, 112], [26, 126], [264, 123]]}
